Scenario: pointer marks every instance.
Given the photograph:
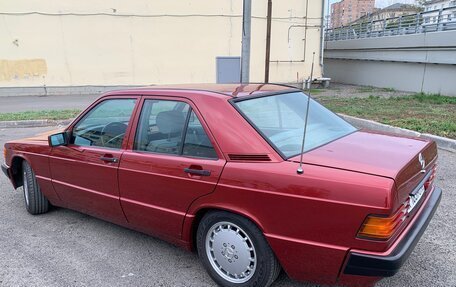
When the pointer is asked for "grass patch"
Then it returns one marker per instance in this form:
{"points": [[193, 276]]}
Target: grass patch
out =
{"points": [[39, 115], [366, 89], [434, 114], [315, 91]]}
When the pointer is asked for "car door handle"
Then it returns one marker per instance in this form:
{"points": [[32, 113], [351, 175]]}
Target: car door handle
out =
{"points": [[109, 159], [197, 172]]}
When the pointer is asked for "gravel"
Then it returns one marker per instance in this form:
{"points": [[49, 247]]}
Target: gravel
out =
{"points": [[67, 248]]}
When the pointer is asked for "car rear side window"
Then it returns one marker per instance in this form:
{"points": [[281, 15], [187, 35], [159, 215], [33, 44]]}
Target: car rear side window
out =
{"points": [[161, 126], [197, 143], [171, 127], [105, 125]]}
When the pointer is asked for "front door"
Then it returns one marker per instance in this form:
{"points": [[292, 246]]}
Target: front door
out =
{"points": [[84, 173], [173, 161]]}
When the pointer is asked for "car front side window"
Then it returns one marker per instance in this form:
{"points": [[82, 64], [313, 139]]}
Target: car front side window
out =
{"points": [[105, 125]]}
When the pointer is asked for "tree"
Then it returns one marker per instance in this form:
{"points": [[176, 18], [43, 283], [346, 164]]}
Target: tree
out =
{"points": [[420, 2]]}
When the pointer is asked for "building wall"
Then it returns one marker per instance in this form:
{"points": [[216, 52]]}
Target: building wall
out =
{"points": [[347, 11], [422, 62], [392, 13], [113, 42]]}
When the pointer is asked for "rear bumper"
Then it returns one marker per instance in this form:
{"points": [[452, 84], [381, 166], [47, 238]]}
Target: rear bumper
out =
{"points": [[6, 170], [385, 266]]}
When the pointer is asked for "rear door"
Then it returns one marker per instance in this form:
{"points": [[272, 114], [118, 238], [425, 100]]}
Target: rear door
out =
{"points": [[173, 160], [84, 173]]}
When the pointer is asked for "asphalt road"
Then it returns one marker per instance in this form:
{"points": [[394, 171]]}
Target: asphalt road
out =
{"points": [[67, 248], [40, 103]]}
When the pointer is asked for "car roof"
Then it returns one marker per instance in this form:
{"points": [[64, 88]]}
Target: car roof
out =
{"points": [[229, 90]]}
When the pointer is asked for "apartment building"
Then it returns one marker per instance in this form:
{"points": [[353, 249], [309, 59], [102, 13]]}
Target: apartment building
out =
{"points": [[348, 11], [439, 11]]}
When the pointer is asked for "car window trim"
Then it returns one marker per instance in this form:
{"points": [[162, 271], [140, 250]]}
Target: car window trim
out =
{"points": [[184, 131], [139, 122]]}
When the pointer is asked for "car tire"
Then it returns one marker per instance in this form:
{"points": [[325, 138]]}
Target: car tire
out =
{"points": [[35, 201], [234, 251]]}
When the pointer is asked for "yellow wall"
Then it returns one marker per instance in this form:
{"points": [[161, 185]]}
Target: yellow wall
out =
{"points": [[140, 42]]}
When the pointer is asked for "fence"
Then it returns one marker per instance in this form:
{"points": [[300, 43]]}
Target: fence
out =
{"points": [[428, 21]]}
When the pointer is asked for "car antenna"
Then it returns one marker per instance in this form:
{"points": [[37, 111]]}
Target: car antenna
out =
{"points": [[300, 169]]}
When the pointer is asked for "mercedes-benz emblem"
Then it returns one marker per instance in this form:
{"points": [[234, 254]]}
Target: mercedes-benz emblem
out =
{"points": [[422, 162]]}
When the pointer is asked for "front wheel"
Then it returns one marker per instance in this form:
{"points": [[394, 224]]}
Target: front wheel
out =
{"points": [[234, 251], [35, 201]]}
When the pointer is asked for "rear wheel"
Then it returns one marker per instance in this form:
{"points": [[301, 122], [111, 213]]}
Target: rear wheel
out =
{"points": [[35, 201], [234, 251]]}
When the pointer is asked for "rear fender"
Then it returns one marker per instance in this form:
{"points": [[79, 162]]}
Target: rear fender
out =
{"points": [[203, 205]]}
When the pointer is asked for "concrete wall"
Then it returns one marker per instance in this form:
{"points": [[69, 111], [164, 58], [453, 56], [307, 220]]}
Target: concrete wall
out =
{"points": [[418, 63], [76, 43]]}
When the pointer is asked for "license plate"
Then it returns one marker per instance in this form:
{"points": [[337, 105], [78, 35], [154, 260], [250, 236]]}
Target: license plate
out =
{"points": [[415, 198]]}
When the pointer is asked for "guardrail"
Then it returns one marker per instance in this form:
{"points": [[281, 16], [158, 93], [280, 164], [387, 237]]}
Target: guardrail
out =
{"points": [[428, 21]]}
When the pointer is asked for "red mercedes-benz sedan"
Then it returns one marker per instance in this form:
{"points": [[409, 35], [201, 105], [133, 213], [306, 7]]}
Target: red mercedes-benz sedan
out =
{"points": [[214, 168]]}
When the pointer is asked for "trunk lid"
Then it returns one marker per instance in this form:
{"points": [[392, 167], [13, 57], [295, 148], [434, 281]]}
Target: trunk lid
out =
{"points": [[383, 155]]}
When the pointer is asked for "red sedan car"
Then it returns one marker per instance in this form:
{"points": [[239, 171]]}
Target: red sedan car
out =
{"points": [[213, 168]]}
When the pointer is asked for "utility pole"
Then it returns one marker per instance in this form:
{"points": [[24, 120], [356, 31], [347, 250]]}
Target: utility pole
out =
{"points": [[268, 43], [246, 36]]}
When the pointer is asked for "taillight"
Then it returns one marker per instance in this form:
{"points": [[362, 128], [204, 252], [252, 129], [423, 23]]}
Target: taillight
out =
{"points": [[4, 153], [430, 180], [383, 228]]}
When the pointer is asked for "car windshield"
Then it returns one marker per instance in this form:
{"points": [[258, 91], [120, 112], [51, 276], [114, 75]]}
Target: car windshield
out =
{"points": [[280, 119]]}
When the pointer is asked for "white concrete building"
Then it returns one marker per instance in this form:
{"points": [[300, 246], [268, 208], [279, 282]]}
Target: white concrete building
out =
{"points": [[76, 44], [439, 11]]}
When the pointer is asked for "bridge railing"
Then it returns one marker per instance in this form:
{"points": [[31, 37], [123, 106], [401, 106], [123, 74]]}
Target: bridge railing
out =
{"points": [[423, 22]]}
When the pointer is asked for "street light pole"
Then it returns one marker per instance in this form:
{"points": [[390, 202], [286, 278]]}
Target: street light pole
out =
{"points": [[246, 36], [268, 43]]}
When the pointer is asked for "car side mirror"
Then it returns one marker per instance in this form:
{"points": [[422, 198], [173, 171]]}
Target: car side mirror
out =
{"points": [[59, 139]]}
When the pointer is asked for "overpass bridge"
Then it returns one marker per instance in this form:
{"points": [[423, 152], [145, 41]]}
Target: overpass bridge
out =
{"points": [[410, 53]]}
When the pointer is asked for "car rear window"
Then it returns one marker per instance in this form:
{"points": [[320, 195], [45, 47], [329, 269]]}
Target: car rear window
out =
{"points": [[280, 119]]}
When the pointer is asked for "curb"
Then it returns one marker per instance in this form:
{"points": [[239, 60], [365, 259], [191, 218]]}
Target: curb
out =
{"points": [[33, 123], [443, 143]]}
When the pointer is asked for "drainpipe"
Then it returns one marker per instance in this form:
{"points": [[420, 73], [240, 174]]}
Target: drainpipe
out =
{"points": [[246, 37], [268, 43], [305, 29], [323, 8]]}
